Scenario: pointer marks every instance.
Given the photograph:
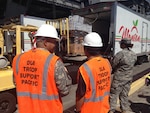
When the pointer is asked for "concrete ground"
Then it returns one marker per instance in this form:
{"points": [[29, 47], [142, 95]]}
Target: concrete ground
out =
{"points": [[140, 100]]}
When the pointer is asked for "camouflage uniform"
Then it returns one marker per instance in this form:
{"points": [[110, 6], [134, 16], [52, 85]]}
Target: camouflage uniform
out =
{"points": [[122, 65], [62, 78]]}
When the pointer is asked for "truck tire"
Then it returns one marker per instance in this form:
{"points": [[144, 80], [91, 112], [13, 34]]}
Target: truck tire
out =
{"points": [[7, 103]]}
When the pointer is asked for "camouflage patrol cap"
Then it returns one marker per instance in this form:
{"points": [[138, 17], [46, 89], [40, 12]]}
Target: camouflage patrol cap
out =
{"points": [[126, 41]]}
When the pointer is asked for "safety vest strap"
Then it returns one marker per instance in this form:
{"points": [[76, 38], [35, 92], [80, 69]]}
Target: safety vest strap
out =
{"points": [[45, 73], [17, 63], [93, 97]]}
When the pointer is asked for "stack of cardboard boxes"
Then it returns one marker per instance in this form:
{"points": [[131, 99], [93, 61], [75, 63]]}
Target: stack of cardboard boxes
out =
{"points": [[77, 30], [76, 40]]}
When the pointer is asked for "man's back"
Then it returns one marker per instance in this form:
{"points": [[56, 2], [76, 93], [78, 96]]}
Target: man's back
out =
{"points": [[36, 88], [123, 64], [96, 73]]}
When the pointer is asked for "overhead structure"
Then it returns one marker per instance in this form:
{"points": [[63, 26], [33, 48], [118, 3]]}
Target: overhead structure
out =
{"points": [[63, 3], [54, 9], [98, 1]]}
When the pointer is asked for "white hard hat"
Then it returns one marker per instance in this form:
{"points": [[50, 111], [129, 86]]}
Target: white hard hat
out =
{"points": [[47, 30], [92, 40]]}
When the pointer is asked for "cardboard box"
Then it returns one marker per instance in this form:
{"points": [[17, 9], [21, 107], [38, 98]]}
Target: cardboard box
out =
{"points": [[76, 40], [76, 49], [76, 22], [77, 33]]}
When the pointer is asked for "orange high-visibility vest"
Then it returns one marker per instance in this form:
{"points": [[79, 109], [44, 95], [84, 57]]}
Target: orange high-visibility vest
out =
{"points": [[35, 84], [96, 74]]}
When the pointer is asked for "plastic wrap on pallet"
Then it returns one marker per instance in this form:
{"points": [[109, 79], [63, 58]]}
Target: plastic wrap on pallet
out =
{"points": [[76, 18]]}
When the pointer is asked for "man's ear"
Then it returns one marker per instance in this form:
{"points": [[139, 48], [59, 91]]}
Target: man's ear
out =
{"points": [[45, 43]]}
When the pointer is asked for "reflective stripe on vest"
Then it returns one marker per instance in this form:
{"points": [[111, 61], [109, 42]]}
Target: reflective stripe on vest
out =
{"points": [[42, 96], [93, 97], [37, 96], [17, 63]]}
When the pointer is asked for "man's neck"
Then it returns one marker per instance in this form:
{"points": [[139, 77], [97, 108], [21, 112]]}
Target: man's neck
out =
{"points": [[91, 57]]}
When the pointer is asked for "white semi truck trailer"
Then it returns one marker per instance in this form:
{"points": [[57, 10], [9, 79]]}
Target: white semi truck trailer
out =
{"points": [[113, 22]]}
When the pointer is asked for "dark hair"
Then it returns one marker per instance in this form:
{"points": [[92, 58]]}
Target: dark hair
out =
{"points": [[93, 50]]}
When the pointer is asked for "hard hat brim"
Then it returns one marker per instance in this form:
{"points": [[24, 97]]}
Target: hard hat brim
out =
{"points": [[85, 44], [38, 35]]}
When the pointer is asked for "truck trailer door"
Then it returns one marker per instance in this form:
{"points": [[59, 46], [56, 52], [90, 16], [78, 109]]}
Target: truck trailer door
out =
{"points": [[144, 38]]}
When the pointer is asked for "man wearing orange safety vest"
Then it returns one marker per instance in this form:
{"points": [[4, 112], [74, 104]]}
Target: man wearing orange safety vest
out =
{"points": [[40, 76], [92, 94]]}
